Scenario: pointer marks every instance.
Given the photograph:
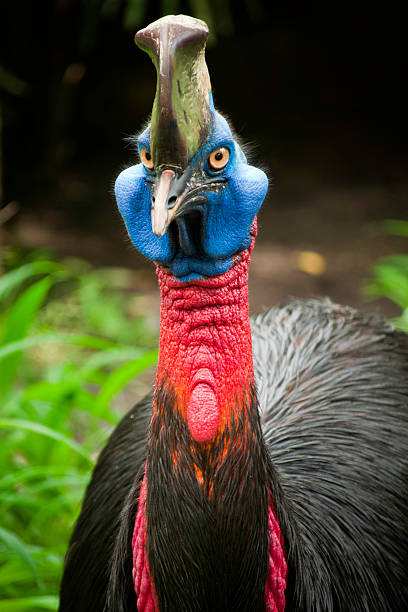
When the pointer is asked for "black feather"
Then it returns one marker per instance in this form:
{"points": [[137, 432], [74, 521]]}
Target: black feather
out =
{"points": [[212, 553], [333, 391], [332, 387]]}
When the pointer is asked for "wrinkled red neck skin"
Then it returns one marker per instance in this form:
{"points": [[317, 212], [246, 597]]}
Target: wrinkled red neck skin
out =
{"points": [[205, 345], [206, 357]]}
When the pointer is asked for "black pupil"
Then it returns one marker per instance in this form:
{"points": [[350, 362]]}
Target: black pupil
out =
{"points": [[218, 156], [148, 156]]}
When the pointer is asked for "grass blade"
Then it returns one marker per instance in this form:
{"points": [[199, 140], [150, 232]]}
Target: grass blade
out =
{"points": [[91, 342], [19, 424], [110, 357], [17, 324], [13, 279], [14, 543], [24, 604], [124, 374]]}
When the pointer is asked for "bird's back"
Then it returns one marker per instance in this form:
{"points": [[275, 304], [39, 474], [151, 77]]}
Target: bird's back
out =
{"points": [[332, 387], [333, 392]]}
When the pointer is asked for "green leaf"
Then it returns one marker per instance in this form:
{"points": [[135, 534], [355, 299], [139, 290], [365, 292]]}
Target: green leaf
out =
{"points": [[52, 392], [36, 473], [109, 357], [91, 342], [14, 570], [52, 422], [19, 424], [14, 544], [11, 572], [390, 281], [124, 374], [396, 227], [13, 279], [402, 321], [17, 324], [395, 261], [24, 604]]}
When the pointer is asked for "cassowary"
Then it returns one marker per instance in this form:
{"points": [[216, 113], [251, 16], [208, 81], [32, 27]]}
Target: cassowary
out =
{"points": [[268, 469]]}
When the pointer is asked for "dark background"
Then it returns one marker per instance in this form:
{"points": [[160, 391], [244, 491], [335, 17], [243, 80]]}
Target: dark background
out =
{"points": [[320, 94]]}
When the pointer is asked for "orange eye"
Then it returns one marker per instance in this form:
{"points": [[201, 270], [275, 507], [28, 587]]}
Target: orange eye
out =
{"points": [[146, 159], [219, 158]]}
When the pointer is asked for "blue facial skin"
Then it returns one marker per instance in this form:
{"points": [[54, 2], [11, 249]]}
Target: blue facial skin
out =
{"points": [[227, 214]]}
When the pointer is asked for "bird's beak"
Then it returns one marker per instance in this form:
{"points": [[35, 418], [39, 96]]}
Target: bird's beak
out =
{"points": [[160, 212], [181, 116], [171, 198]]}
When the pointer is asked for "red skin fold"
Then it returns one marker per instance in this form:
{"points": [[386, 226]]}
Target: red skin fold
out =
{"points": [[141, 575], [206, 357], [205, 346]]}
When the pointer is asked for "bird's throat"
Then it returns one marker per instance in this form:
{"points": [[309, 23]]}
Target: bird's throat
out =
{"points": [[205, 356]]}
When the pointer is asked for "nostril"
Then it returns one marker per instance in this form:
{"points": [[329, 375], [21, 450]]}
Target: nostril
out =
{"points": [[172, 200]]}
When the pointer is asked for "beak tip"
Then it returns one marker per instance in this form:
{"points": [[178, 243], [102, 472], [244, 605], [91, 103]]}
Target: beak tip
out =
{"points": [[158, 229], [159, 224], [158, 233], [160, 212]]}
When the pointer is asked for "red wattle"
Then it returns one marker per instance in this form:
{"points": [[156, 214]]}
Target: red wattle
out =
{"points": [[141, 576], [205, 346], [276, 577], [203, 413]]}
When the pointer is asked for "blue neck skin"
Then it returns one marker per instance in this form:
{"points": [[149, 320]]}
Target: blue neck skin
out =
{"points": [[226, 212]]}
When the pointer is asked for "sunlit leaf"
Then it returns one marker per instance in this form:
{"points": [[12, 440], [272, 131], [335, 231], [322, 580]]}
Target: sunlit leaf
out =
{"points": [[110, 357], [13, 279], [62, 368], [91, 342], [15, 544], [23, 604], [17, 324], [124, 374], [21, 424]]}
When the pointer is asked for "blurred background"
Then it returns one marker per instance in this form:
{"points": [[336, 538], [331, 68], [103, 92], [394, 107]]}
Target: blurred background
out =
{"points": [[318, 97]]}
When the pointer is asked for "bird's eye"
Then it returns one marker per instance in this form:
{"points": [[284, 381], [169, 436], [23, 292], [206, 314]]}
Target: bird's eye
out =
{"points": [[219, 158], [146, 158]]}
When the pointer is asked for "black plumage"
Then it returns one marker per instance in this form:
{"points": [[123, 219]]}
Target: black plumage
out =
{"points": [[332, 387]]}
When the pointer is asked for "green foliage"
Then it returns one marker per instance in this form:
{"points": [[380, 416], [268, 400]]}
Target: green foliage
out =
{"points": [[68, 348], [390, 276]]}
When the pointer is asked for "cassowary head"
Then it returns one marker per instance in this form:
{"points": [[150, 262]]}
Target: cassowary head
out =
{"points": [[190, 203]]}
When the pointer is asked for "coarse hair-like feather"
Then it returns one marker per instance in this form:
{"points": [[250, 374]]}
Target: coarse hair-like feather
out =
{"points": [[333, 391], [332, 387]]}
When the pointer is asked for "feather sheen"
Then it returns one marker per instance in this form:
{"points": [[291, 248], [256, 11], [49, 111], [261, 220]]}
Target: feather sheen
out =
{"points": [[332, 388]]}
